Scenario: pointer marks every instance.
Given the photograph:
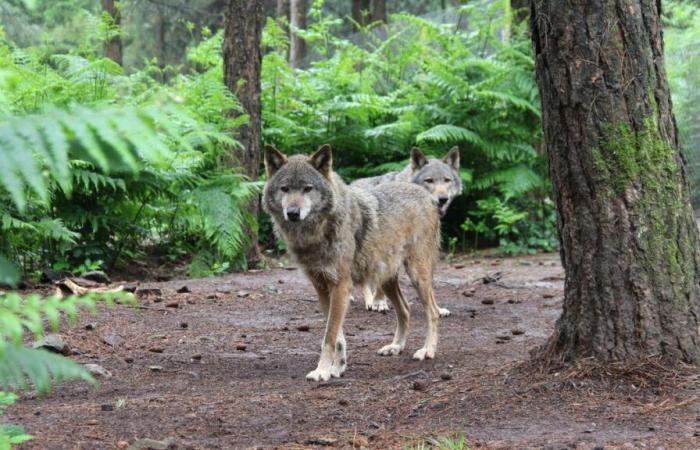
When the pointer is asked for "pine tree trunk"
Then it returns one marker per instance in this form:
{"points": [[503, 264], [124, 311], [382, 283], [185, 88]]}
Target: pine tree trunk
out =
{"points": [[378, 11], [629, 241], [113, 47], [360, 12], [242, 60], [297, 45]]}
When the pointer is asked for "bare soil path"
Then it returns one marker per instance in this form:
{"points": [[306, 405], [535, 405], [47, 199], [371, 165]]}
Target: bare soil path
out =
{"points": [[223, 367]]}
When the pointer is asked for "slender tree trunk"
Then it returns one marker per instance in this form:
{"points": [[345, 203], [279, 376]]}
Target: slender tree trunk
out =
{"points": [[360, 12], [160, 36], [283, 10], [113, 47], [297, 45], [629, 241], [242, 60], [378, 11], [520, 9]]}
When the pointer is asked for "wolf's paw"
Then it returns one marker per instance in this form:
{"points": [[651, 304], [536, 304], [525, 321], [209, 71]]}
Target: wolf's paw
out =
{"points": [[378, 305], [337, 371], [444, 312], [319, 375], [390, 350], [424, 353]]}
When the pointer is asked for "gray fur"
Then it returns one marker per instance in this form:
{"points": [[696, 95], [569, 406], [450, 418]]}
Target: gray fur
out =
{"points": [[354, 235], [440, 177]]}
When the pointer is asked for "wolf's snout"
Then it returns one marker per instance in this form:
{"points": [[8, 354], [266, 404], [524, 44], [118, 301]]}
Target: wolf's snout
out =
{"points": [[293, 213], [442, 200]]}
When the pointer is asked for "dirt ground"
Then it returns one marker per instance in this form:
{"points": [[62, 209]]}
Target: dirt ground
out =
{"points": [[223, 367]]}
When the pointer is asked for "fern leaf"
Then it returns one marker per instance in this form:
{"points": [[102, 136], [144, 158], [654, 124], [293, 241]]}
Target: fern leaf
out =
{"points": [[448, 133], [20, 366]]}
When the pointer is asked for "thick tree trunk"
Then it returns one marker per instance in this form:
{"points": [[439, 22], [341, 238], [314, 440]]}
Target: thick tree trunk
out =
{"points": [[629, 241], [360, 12], [242, 60], [378, 11], [297, 45], [113, 47]]}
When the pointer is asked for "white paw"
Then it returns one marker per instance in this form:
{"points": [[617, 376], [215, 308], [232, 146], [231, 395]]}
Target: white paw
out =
{"points": [[390, 350], [319, 375], [379, 306], [337, 371], [424, 353], [444, 312]]}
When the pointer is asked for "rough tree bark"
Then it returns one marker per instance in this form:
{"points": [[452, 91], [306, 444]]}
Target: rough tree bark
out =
{"points": [[297, 45], [113, 47], [242, 60], [629, 241]]}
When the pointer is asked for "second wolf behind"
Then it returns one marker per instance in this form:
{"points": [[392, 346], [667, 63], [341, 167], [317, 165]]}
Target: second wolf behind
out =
{"points": [[440, 177]]}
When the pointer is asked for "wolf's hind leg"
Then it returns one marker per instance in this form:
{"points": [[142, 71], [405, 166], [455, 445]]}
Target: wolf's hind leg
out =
{"points": [[422, 279], [374, 301], [403, 315]]}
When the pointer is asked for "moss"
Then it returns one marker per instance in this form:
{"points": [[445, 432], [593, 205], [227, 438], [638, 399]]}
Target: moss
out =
{"points": [[645, 161]]}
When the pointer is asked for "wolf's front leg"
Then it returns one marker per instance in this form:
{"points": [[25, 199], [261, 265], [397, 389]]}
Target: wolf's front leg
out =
{"points": [[333, 355]]}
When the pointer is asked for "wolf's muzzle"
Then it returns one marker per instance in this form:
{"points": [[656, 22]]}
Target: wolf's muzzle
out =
{"points": [[442, 200], [293, 213]]}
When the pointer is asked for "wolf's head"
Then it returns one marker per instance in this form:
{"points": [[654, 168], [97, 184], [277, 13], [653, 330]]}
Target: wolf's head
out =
{"points": [[298, 187], [439, 176]]}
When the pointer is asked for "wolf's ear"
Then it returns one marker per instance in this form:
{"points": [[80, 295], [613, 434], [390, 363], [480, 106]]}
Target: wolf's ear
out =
{"points": [[274, 159], [452, 158], [418, 159], [322, 160]]}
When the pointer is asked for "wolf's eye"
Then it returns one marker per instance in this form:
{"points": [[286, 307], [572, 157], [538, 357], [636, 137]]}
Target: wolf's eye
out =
{"points": [[448, 180], [308, 188], [429, 180], [284, 189]]}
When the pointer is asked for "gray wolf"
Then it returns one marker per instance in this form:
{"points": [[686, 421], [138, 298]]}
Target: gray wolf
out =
{"points": [[440, 177], [342, 235]]}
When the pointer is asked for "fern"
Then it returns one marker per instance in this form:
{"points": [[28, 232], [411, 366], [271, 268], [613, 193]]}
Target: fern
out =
{"points": [[448, 133], [130, 134], [20, 365]]}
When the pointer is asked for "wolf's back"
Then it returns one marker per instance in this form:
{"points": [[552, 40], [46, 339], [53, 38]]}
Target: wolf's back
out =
{"points": [[407, 223]]}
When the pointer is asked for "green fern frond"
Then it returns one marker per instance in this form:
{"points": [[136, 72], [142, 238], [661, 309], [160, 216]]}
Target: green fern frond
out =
{"points": [[134, 133], [446, 133], [20, 366]]}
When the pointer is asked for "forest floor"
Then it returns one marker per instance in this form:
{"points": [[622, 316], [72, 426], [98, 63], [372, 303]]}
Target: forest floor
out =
{"points": [[223, 367]]}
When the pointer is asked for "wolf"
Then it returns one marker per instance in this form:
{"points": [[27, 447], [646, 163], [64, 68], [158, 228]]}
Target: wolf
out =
{"points": [[342, 235], [440, 177]]}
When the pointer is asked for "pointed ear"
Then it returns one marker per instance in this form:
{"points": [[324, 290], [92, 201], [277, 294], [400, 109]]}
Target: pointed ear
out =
{"points": [[274, 159], [452, 158], [322, 160], [418, 159]]}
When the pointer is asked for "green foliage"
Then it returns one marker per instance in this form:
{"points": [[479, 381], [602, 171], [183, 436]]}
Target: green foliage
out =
{"points": [[446, 443], [10, 434], [682, 46], [416, 83], [515, 229], [105, 166]]}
